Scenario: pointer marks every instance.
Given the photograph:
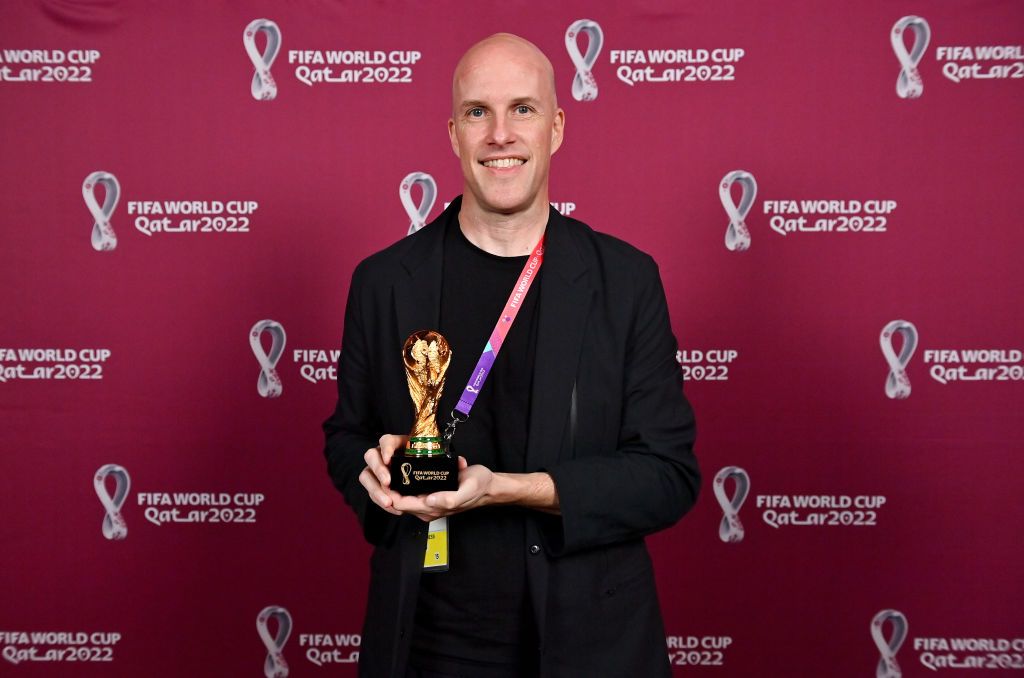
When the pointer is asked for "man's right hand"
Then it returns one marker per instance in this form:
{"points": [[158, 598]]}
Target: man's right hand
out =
{"points": [[376, 477]]}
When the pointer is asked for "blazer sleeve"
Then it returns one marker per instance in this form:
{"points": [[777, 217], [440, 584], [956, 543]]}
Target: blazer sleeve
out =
{"points": [[355, 425], [651, 479]]}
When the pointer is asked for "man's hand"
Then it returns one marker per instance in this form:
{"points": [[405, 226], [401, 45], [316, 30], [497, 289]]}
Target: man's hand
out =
{"points": [[376, 477], [478, 486], [474, 485]]}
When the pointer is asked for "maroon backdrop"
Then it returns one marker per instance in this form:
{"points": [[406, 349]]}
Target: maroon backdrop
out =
{"points": [[868, 517]]}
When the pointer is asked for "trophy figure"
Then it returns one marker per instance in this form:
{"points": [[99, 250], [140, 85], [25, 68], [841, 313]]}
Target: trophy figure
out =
{"points": [[425, 465]]}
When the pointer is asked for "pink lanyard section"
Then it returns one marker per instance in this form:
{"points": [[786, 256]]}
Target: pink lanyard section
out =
{"points": [[501, 328]]}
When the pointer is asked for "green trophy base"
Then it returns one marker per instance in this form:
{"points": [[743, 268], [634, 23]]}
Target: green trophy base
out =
{"points": [[423, 474]]}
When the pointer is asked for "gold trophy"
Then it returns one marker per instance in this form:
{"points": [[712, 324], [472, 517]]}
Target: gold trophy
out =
{"points": [[425, 465]]}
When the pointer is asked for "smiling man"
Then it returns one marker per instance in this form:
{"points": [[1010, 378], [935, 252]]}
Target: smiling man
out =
{"points": [[579, 441]]}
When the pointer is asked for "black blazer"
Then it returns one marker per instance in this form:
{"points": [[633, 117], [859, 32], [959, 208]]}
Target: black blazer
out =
{"points": [[608, 422]]}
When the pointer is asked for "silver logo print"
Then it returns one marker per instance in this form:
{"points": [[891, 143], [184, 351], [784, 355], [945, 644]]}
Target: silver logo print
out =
{"points": [[731, 529], [269, 384], [737, 236], [103, 237], [418, 213], [274, 666], [114, 526], [887, 666], [263, 86], [909, 84], [897, 383], [584, 86]]}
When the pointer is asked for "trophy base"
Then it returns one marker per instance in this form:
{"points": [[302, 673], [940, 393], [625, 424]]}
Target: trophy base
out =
{"points": [[424, 475]]}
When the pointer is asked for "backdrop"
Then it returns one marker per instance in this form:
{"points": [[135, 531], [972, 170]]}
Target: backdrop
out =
{"points": [[827, 187]]}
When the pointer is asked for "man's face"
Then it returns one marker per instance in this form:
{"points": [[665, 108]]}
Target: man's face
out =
{"points": [[505, 125]]}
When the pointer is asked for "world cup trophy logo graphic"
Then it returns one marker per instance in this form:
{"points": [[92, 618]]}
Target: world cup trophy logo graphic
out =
{"points": [[730, 530], [103, 237], [909, 84], [737, 236], [263, 86], [887, 665], [114, 526], [897, 383], [418, 213], [269, 384], [584, 86], [274, 666]]}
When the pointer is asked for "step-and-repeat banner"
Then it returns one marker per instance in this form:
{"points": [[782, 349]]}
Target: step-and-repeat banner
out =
{"points": [[830, 190]]}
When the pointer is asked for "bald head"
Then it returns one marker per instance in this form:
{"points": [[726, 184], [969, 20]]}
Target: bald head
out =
{"points": [[510, 49]]}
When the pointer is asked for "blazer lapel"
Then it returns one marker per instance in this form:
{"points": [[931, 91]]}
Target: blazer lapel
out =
{"points": [[416, 295], [417, 285], [565, 299]]}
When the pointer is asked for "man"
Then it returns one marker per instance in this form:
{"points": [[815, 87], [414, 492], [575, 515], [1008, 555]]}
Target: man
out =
{"points": [[578, 445]]}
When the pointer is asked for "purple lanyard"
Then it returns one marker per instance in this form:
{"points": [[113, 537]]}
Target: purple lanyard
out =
{"points": [[490, 353]]}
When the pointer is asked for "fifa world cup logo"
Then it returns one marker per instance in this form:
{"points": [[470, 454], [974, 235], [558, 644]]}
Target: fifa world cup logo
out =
{"points": [[887, 666], [269, 384], [114, 526], [103, 237], [731, 529], [737, 235], [909, 84], [274, 665], [418, 213], [584, 86], [263, 86], [897, 383]]}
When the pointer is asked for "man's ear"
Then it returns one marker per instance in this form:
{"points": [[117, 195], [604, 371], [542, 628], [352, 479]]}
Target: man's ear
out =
{"points": [[557, 130], [454, 138]]}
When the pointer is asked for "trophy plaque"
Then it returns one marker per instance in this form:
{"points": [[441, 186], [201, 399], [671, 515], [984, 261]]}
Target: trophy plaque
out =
{"points": [[424, 466]]}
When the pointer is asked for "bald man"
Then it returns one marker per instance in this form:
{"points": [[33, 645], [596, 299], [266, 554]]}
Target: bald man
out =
{"points": [[579, 443]]}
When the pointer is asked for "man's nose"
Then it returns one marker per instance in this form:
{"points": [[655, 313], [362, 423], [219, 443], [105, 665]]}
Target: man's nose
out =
{"points": [[502, 131]]}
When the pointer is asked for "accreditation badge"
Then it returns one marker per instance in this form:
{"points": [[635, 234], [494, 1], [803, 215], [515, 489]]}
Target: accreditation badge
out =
{"points": [[436, 557]]}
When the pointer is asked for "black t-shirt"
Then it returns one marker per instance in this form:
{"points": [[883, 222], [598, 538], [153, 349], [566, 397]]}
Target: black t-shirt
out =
{"points": [[475, 619]]}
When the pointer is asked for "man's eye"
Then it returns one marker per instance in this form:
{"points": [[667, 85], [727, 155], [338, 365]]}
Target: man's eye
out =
{"points": [[476, 113], [523, 110]]}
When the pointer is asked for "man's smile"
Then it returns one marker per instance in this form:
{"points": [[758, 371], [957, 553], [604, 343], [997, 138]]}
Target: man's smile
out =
{"points": [[503, 163]]}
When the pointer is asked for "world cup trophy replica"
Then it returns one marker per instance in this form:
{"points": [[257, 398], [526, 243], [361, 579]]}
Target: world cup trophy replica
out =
{"points": [[425, 465]]}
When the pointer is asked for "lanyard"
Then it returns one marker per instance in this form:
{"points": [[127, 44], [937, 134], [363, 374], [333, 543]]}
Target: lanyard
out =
{"points": [[490, 353]]}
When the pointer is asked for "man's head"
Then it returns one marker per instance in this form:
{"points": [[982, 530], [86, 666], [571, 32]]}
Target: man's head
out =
{"points": [[505, 123]]}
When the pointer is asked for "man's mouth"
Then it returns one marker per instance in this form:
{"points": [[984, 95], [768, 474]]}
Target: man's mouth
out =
{"points": [[502, 163]]}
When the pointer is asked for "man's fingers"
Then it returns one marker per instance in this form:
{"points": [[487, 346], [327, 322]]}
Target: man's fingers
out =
{"points": [[377, 465], [443, 500], [389, 498], [388, 444], [368, 480], [411, 504], [417, 506], [378, 495], [376, 478]]}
